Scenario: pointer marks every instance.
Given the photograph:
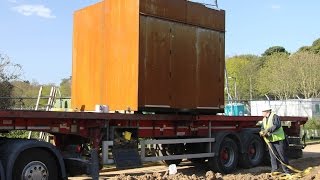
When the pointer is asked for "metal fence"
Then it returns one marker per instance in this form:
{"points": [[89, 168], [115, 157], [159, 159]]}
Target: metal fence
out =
{"points": [[29, 103], [310, 108]]}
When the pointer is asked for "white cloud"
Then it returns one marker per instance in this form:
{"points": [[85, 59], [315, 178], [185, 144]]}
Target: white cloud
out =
{"points": [[275, 7], [38, 10], [13, 1]]}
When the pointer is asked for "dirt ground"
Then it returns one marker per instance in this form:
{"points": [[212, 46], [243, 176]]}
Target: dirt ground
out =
{"points": [[187, 171]]}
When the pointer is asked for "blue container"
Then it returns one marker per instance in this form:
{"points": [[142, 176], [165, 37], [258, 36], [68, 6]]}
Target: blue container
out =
{"points": [[234, 109]]}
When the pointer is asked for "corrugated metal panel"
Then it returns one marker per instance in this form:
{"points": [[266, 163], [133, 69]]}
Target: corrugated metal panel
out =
{"points": [[126, 59], [142, 61], [169, 9], [183, 66], [210, 72], [155, 61], [222, 68], [185, 12], [200, 15]]}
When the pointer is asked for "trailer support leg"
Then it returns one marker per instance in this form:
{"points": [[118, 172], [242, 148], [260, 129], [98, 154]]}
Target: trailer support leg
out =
{"points": [[94, 168], [210, 136]]}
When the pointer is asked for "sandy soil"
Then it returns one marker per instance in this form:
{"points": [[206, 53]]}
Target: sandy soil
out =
{"points": [[188, 171]]}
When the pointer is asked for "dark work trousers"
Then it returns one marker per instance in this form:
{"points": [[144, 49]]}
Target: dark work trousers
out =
{"points": [[278, 148]]}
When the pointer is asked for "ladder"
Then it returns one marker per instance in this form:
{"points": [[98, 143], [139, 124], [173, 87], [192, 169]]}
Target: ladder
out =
{"points": [[51, 100]]}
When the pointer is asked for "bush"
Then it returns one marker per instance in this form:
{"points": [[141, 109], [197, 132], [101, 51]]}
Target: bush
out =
{"points": [[16, 134], [5, 92], [312, 123]]}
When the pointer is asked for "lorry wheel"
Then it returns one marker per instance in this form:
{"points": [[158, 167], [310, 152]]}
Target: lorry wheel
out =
{"points": [[1, 171], [254, 152], [172, 149], [35, 164], [226, 160]]}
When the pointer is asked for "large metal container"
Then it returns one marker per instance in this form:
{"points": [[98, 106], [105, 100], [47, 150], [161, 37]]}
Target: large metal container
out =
{"points": [[149, 55]]}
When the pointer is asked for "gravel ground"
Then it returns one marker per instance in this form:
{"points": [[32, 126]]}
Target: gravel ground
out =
{"points": [[311, 158]]}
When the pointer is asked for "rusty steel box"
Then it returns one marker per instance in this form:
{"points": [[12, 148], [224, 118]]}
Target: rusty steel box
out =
{"points": [[149, 55]]}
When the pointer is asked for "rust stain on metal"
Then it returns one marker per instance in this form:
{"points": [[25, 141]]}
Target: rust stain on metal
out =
{"points": [[148, 53], [185, 12], [154, 62]]}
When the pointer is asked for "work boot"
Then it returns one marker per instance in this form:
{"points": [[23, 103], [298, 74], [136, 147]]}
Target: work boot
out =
{"points": [[286, 176], [275, 173]]}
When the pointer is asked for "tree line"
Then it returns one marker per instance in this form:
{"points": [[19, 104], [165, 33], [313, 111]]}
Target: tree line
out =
{"points": [[276, 74], [15, 92]]}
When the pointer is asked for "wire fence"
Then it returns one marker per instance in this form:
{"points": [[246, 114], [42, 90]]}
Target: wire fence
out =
{"points": [[294, 107], [306, 107], [29, 103]]}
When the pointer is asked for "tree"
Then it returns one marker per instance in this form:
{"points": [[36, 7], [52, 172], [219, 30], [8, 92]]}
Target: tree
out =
{"points": [[27, 91], [314, 48], [307, 69], [275, 49], [243, 71], [8, 72], [304, 49], [316, 43], [65, 87], [276, 77], [5, 94]]}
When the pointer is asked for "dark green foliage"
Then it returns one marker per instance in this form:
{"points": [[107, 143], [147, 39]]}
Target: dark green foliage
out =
{"points": [[65, 87], [15, 134], [314, 48], [275, 49], [304, 49], [6, 89], [316, 43], [312, 123], [8, 72]]}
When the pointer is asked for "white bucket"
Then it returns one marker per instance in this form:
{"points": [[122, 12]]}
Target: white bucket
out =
{"points": [[172, 169], [102, 108]]}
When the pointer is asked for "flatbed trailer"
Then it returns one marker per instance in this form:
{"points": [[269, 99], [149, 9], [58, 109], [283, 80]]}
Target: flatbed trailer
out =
{"points": [[82, 141], [163, 57]]}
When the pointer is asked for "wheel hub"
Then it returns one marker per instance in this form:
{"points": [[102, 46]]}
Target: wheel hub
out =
{"points": [[225, 154], [252, 150], [35, 170]]}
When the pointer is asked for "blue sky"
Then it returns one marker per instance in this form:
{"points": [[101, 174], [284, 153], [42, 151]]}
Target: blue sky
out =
{"points": [[38, 33]]}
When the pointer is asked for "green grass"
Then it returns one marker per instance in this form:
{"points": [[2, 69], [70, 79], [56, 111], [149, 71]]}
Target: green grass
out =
{"points": [[312, 141]]}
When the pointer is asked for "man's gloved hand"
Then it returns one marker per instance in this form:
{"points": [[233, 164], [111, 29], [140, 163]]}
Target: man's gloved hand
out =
{"points": [[264, 133]]}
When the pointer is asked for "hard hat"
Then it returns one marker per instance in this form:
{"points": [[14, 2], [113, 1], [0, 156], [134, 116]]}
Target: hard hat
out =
{"points": [[266, 108]]}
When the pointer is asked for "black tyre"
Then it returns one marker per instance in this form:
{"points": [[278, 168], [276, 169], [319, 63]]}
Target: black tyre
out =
{"points": [[172, 149], [35, 164], [226, 160], [254, 152], [1, 171]]}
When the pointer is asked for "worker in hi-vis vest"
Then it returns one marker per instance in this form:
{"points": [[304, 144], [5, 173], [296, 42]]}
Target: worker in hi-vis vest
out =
{"points": [[271, 129]]}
